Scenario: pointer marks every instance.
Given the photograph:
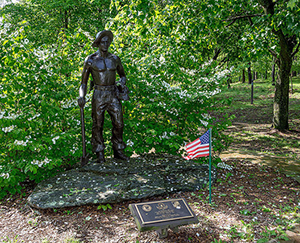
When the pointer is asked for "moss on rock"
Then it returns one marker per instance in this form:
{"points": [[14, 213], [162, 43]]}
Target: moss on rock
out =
{"points": [[115, 181]]}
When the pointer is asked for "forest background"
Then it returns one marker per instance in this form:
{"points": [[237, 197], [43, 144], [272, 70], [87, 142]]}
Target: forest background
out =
{"points": [[178, 55]]}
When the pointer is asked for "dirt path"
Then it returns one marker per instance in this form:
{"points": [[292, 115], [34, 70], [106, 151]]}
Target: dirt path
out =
{"points": [[257, 144]]}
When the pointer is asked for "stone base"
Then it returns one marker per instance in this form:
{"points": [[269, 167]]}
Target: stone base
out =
{"points": [[115, 181]]}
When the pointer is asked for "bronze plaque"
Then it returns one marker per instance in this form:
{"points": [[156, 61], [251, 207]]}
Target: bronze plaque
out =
{"points": [[163, 211]]}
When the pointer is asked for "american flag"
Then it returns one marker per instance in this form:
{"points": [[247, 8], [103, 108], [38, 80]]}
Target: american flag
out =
{"points": [[199, 147]]}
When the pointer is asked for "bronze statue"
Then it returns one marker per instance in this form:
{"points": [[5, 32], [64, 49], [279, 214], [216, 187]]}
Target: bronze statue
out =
{"points": [[107, 95]]}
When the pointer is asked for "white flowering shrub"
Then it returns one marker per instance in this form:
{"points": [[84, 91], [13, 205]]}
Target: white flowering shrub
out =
{"points": [[39, 116], [173, 88], [172, 94]]}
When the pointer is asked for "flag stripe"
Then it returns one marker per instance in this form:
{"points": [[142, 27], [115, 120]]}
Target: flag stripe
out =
{"points": [[197, 141], [199, 147], [197, 155], [201, 154], [199, 151]]}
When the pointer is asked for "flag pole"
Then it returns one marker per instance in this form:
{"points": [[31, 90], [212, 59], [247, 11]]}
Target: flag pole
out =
{"points": [[210, 132]]}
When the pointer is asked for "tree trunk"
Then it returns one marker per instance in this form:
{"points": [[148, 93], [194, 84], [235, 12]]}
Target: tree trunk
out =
{"points": [[281, 99], [287, 42], [273, 73], [249, 74], [266, 74], [243, 76], [228, 82], [229, 77], [252, 91], [292, 90], [66, 20]]}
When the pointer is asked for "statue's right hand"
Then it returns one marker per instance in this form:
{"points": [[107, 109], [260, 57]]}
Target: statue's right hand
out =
{"points": [[81, 102]]}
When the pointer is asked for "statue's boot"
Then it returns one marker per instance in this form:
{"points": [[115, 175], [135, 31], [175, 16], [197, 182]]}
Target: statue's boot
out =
{"points": [[119, 154], [100, 157]]}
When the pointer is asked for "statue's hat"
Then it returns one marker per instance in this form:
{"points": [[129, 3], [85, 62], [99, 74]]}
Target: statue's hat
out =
{"points": [[100, 35]]}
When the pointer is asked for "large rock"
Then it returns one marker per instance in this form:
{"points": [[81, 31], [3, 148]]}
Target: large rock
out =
{"points": [[116, 181]]}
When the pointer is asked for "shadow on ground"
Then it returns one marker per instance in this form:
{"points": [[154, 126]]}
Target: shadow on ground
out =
{"points": [[260, 144]]}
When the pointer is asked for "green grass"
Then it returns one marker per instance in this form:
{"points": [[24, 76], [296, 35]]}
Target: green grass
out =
{"points": [[261, 110], [252, 126]]}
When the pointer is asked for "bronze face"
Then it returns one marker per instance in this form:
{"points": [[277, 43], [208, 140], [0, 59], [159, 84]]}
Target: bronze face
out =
{"points": [[104, 44], [100, 35]]}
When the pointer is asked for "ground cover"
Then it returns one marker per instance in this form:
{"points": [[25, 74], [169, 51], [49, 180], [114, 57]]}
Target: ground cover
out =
{"points": [[251, 202], [260, 112]]}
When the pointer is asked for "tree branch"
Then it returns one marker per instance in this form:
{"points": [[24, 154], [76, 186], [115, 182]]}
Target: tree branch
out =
{"points": [[268, 6], [297, 49], [217, 53], [231, 23], [250, 21], [242, 17], [274, 54]]}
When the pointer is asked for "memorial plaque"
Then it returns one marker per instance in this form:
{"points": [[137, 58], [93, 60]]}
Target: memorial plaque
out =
{"points": [[161, 215]]}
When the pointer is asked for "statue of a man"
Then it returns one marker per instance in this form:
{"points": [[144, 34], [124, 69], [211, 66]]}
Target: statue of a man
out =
{"points": [[107, 95]]}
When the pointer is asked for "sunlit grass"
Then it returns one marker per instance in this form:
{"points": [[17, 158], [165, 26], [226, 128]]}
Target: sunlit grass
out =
{"points": [[240, 93], [255, 132]]}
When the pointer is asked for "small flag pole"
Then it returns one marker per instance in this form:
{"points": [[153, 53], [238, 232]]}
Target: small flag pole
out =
{"points": [[210, 132]]}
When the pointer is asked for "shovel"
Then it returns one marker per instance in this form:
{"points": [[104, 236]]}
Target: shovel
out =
{"points": [[85, 158]]}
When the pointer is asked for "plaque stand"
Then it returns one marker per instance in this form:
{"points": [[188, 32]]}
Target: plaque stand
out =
{"points": [[162, 233], [162, 215]]}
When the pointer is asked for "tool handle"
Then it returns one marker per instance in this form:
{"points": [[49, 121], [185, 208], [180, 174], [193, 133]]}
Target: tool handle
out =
{"points": [[83, 132]]}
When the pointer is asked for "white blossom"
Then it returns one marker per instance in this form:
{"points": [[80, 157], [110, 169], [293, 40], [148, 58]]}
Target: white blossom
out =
{"points": [[193, 58], [130, 143], [69, 103], [164, 136], [35, 116], [162, 59], [206, 117], [9, 116], [224, 166], [204, 123], [21, 142], [5, 27], [8, 129], [41, 163], [75, 148], [207, 63], [5, 175], [54, 139]]}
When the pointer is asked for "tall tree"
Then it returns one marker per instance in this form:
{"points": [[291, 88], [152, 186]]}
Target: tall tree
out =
{"points": [[273, 27], [287, 41]]}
